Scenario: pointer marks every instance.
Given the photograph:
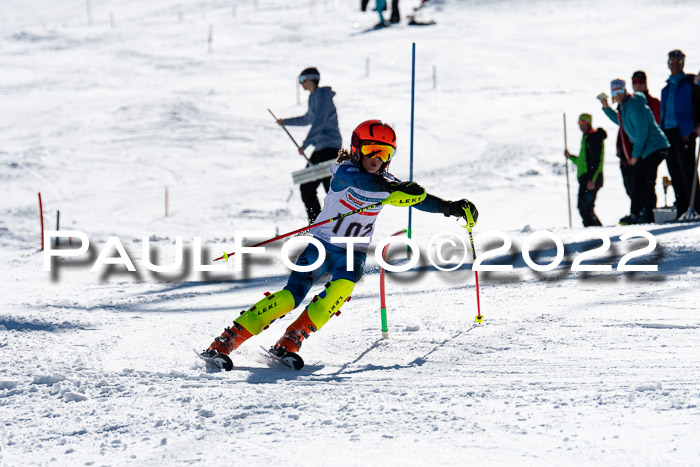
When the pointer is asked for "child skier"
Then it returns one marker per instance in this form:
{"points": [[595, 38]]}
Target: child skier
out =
{"points": [[360, 178]]}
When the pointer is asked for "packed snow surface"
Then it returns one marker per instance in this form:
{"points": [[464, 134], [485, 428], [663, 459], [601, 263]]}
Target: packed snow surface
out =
{"points": [[97, 367]]}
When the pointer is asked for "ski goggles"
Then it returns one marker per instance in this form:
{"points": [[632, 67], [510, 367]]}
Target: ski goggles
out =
{"points": [[303, 78], [378, 150], [618, 91]]}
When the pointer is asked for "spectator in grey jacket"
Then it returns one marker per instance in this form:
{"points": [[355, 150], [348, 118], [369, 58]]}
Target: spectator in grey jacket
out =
{"points": [[324, 134]]}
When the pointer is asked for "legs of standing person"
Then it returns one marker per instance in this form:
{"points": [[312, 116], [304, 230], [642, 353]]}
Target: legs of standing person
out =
{"points": [[627, 170], [648, 169], [581, 199], [586, 203], [326, 304], [395, 15], [673, 162], [381, 5], [308, 196], [308, 190], [638, 183]]}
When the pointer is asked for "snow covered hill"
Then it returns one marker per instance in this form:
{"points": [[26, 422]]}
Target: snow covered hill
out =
{"points": [[98, 368]]}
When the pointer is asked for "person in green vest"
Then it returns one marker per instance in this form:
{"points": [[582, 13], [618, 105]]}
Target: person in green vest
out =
{"points": [[589, 168]]}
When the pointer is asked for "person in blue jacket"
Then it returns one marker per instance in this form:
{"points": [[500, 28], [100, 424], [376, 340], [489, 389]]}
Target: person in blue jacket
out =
{"points": [[650, 147], [360, 179], [324, 134], [680, 121]]}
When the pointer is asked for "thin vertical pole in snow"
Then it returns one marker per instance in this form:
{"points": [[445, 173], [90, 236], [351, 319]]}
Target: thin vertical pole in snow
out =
{"points": [[166, 201], [89, 11], [568, 189], [692, 212], [413, 95], [210, 41], [58, 216], [382, 298], [434, 77], [41, 218]]}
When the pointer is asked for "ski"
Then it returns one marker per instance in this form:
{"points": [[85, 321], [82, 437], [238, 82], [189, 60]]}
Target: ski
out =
{"points": [[218, 360], [290, 359]]}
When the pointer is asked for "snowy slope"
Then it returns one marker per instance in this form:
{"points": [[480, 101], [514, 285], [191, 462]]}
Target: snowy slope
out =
{"points": [[98, 367]]}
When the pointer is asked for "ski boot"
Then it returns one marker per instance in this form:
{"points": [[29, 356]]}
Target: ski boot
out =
{"points": [[317, 314], [251, 322]]}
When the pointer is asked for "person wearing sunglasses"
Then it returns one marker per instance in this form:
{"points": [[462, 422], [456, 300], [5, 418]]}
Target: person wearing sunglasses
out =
{"points": [[649, 148], [680, 121], [589, 168], [324, 134], [361, 178]]}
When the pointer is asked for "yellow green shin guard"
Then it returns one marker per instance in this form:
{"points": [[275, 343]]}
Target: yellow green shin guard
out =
{"points": [[260, 315], [328, 302]]}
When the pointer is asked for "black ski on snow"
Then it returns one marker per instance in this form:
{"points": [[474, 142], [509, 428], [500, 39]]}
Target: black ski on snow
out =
{"points": [[218, 360], [290, 359]]}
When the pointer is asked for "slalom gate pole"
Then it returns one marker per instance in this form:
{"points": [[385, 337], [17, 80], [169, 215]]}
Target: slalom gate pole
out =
{"points": [[58, 216], [568, 189], [41, 218], [382, 299], [289, 134], [413, 98], [690, 213], [470, 225], [397, 198]]}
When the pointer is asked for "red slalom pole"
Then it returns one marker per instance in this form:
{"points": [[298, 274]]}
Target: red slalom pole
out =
{"points": [[382, 298], [41, 217], [479, 318]]}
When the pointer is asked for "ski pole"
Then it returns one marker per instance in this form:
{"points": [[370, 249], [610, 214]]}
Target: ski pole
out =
{"points": [[397, 198], [289, 134], [690, 213], [470, 225], [568, 189]]}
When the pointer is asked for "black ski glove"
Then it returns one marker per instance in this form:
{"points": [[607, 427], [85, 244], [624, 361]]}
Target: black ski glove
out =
{"points": [[410, 188], [456, 208]]}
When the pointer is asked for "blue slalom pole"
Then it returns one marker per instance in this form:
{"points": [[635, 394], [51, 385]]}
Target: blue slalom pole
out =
{"points": [[413, 96]]}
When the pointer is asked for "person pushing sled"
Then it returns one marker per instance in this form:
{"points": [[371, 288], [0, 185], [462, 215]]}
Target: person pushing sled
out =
{"points": [[360, 178]]}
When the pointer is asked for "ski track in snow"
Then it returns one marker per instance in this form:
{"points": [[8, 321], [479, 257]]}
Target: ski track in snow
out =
{"points": [[568, 368]]}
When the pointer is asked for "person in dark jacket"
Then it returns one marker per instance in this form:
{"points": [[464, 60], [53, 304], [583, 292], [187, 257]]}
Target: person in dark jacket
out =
{"points": [[650, 147], [589, 168], [680, 120], [324, 135]]}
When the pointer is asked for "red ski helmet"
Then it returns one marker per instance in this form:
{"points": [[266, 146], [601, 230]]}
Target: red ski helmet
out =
{"points": [[373, 138]]}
